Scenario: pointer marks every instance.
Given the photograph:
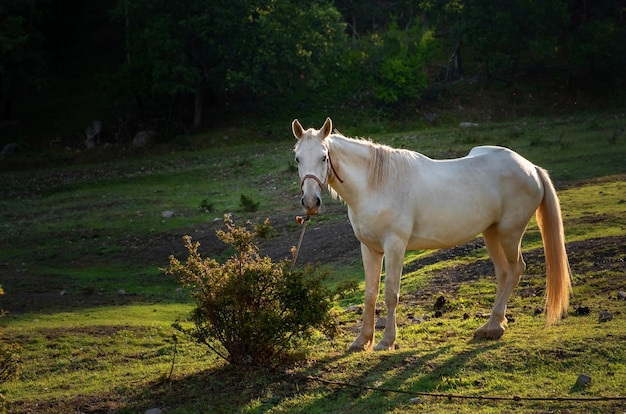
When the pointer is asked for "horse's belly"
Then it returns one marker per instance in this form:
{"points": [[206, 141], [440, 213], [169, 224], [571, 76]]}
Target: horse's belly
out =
{"points": [[432, 241], [448, 230]]}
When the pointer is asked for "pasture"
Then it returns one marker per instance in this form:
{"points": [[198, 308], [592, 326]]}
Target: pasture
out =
{"points": [[81, 246]]}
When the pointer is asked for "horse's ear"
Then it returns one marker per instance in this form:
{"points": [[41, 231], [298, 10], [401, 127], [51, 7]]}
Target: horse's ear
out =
{"points": [[297, 129], [327, 128]]}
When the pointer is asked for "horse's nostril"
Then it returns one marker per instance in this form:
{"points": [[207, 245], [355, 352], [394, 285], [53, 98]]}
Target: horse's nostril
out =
{"points": [[302, 201], [318, 202]]}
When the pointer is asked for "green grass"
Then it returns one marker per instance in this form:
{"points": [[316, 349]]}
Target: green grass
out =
{"points": [[85, 229]]}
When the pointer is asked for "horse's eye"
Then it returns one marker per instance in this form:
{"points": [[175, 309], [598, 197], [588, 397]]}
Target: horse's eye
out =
{"points": [[297, 160], [325, 158]]}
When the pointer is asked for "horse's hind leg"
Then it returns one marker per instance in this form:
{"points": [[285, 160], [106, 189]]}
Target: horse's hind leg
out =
{"points": [[372, 264], [505, 252]]}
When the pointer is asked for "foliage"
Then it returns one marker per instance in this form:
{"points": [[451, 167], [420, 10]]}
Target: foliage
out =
{"points": [[206, 206], [248, 204], [249, 309], [264, 230], [264, 56], [596, 42], [498, 39], [9, 358], [244, 49], [397, 61], [296, 45], [21, 59]]}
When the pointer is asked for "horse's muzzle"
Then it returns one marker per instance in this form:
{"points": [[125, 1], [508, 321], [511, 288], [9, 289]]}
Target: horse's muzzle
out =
{"points": [[311, 204]]}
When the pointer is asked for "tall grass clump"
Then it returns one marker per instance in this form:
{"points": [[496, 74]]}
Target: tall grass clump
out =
{"points": [[250, 310], [9, 360]]}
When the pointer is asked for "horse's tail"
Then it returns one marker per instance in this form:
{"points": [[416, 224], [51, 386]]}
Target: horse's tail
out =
{"points": [[558, 283]]}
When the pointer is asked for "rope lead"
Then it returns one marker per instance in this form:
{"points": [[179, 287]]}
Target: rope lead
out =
{"points": [[302, 220]]}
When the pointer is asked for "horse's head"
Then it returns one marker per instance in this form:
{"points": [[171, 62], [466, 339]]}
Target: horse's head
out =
{"points": [[313, 163]]}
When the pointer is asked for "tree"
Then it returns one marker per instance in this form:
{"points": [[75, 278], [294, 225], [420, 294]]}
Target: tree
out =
{"points": [[595, 41], [395, 64], [21, 57], [242, 49], [501, 36]]}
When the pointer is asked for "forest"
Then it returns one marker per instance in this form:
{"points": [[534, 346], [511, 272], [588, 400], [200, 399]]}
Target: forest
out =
{"points": [[185, 66]]}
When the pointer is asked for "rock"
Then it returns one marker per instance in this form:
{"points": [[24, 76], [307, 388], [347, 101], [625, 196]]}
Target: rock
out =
{"points": [[605, 316], [143, 138], [425, 317], [154, 411], [121, 292], [416, 400], [440, 303], [468, 125], [167, 214], [381, 323], [621, 295], [355, 308], [92, 133], [583, 311], [63, 292], [583, 380], [414, 319], [9, 149]]}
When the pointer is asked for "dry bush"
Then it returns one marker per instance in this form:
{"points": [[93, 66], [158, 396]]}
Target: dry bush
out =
{"points": [[251, 310]]}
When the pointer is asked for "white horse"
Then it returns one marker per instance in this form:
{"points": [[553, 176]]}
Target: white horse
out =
{"points": [[399, 199]]}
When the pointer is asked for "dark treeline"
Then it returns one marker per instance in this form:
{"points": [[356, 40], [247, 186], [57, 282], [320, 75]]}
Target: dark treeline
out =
{"points": [[185, 61]]}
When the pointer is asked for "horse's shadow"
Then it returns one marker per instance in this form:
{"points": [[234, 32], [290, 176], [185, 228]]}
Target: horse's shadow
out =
{"points": [[406, 371], [262, 387]]}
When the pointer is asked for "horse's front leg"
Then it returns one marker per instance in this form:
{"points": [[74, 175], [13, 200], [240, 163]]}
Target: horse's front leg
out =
{"points": [[394, 259], [372, 263]]}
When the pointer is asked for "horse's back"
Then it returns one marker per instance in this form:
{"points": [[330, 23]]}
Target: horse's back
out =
{"points": [[457, 199], [503, 162], [495, 152]]}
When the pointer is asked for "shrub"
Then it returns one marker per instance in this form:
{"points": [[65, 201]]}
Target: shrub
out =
{"points": [[248, 204], [251, 310], [9, 359], [206, 206]]}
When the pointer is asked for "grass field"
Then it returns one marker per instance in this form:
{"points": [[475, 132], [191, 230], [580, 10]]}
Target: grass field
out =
{"points": [[83, 237]]}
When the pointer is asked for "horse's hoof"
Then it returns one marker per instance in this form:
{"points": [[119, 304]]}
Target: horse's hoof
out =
{"points": [[382, 347], [357, 348], [493, 334]]}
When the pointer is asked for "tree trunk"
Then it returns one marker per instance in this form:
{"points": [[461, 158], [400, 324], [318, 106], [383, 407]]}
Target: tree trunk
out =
{"points": [[197, 114]]}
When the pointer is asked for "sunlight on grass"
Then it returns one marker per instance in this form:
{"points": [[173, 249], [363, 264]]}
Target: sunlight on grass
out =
{"points": [[73, 225]]}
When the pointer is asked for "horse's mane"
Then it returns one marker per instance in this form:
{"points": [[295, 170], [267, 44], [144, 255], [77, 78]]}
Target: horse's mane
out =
{"points": [[385, 162]]}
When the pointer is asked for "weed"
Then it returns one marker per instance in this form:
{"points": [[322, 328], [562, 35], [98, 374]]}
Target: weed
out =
{"points": [[9, 358], [206, 206], [264, 230], [248, 204]]}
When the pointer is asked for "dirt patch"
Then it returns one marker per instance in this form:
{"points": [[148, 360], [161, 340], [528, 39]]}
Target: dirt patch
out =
{"points": [[586, 257], [329, 239]]}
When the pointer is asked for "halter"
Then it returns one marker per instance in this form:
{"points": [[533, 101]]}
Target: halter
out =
{"points": [[303, 220], [329, 167]]}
